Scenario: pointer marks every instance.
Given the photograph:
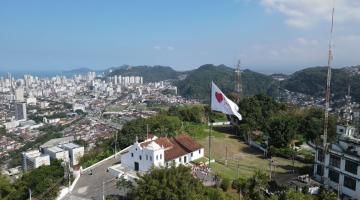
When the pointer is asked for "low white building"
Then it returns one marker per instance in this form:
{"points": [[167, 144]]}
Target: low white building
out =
{"points": [[75, 152], [342, 163], [157, 152], [57, 153], [34, 159]]}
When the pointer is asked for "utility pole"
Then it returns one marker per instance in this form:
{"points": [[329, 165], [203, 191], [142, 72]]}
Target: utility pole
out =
{"points": [[210, 124], [69, 176], [238, 167], [226, 155], [115, 143], [103, 190], [29, 194], [147, 131]]}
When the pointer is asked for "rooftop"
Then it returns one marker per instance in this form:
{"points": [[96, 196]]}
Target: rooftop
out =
{"points": [[70, 145], [55, 149], [57, 141], [175, 146]]}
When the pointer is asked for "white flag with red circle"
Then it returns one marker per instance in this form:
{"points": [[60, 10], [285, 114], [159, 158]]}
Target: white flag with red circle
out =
{"points": [[219, 102]]}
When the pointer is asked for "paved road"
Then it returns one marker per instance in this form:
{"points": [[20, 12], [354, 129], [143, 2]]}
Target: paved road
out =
{"points": [[91, 186]]}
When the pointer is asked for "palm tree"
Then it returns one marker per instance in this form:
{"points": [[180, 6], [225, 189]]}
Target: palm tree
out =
{"points": [[125, 185]]}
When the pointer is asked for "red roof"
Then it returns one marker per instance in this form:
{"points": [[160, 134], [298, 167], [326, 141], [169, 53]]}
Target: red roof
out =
{"points": [[182, 144], [176, 146]]}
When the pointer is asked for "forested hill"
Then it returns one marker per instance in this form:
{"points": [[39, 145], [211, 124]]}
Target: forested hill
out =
{"points": [[197, 84], [312, 81], [149, 73]]}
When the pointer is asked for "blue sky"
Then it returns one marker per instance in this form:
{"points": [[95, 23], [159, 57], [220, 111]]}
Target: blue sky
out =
{"points": [[267, 35]]}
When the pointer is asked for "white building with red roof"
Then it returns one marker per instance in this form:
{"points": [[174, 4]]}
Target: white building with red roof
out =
{"points": [[157, 152]]}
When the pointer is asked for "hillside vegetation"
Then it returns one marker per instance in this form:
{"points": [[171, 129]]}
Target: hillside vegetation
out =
{"points": [[197, 84], [312, 81], [149, 73]]}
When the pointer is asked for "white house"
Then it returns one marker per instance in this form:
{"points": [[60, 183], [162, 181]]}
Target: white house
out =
{"points": [[163, 151]]}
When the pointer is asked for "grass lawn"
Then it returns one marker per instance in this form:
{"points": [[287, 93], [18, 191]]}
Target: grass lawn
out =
{"points": [[240, 154], [201, 131]]}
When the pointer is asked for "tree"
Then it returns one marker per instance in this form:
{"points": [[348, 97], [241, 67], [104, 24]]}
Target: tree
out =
{"points": [[257, 184], [173, 183], [240, 185], [292, 194], [44, 182], [257, 111], [5, 186], [225, 184], [125, 185], [282, 130], [327, 195]]}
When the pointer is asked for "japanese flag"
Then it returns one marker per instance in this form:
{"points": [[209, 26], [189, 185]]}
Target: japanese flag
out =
{"points": [[219, 102]]}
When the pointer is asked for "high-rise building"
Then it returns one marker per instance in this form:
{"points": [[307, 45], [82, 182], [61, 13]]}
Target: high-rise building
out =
{"points": [[19, 94], [20, 111]]}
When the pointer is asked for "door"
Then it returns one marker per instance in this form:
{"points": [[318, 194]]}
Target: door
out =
{"points": [[136, 166]]}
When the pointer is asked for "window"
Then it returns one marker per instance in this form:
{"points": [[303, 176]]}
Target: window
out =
{"points": [[184, 159], [191, 154], [132, 154], [351, 166], [320, 155], [350, 183], [135, 149], [157, 158], [150, 158], [147, 157], [179, 159], [199, 151], [334, 176], [160, 156], [319, 170], [139, 157], [335, 161]]}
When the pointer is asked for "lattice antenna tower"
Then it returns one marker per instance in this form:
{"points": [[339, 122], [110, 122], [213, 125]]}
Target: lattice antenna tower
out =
{"points": [[328, 81], [238, 84]]}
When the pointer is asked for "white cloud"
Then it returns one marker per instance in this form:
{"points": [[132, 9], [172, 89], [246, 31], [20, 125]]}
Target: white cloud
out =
{"points": [[158, 48], [307, 42], [306, 13], [170, 48]]}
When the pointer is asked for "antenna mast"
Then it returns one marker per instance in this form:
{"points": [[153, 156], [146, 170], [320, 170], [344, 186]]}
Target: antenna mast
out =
{"points": [[238, 85], [327, 94]]}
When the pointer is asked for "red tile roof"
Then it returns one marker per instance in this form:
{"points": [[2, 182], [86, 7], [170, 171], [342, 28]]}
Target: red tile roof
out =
{"points": [[176, 146], [183, 144]]}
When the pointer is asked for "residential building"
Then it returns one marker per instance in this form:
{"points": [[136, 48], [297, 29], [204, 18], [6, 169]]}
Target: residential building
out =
{"points": [[57, 153], [342, 163], [34, 159], [75, 152], [20, 111]]}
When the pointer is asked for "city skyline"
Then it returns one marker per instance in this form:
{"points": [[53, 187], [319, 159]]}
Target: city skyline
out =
{"points": [[267, 35]]}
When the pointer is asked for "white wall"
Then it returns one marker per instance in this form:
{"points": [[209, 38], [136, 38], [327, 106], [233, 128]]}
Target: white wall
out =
{"points": [[189, 157], [149, 158]]}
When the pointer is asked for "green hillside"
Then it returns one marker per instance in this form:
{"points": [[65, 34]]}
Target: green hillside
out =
{"points": [[312, 81], [197, 84], [149, 73]]}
